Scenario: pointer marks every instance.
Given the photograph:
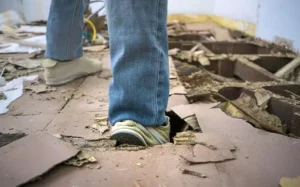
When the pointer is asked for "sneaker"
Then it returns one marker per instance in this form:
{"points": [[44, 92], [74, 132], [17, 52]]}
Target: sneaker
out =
{"points": [[130, 132], [59, 73]]}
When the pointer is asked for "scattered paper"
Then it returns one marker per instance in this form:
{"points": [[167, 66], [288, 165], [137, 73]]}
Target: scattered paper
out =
{"points": [[29, 45], [33, 29], [13, 90]]}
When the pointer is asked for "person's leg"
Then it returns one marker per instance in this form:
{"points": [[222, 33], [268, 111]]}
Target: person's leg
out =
{"points": [[64, 29], [138, 40], [64, 43]]}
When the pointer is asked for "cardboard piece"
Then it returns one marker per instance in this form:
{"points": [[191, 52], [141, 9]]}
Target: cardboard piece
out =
{"points": [[29, 157]]}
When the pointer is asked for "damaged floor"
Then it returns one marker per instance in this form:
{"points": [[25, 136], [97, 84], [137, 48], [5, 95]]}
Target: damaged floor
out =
{"points": [[236, 118]]}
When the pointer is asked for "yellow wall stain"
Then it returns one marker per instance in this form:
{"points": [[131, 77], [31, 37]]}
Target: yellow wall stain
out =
{"points": [[248, 28]]}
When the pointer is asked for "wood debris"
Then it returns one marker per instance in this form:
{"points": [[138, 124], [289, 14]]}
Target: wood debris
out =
{"points": [[193, 173]]}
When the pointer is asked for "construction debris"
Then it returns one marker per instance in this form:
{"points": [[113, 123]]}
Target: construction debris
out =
{"points": [[80, 159], [193, 173], [185, 138], [246, 108], [262, 98], [290, 67]]}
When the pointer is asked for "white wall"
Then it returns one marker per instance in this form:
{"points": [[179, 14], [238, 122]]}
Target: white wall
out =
{"points": [[279, 18], [244, 10], [191, 6]]}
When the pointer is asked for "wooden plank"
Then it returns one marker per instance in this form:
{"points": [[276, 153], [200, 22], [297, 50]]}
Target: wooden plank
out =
{"points": [[249, 71]]}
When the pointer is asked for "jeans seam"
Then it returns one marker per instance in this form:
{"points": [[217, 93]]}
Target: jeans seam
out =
{"points": [[70, 31], [158, 61]]}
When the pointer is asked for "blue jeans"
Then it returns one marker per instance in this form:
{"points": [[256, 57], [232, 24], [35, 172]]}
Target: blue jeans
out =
{"points": [[138, 43]]}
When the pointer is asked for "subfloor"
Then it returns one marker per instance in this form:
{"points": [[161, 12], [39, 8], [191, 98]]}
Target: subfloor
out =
{"points": [[263, 152]]}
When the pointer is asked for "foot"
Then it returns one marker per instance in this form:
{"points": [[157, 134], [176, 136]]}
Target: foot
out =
{"points": [[59, 73], [130, 132]]}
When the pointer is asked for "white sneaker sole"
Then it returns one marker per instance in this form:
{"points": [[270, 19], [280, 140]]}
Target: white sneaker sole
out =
{"points": [[127, 136]]}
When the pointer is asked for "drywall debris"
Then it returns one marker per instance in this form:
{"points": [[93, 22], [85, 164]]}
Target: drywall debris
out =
{"points": [[193, 173], [184, 138], [101, 129], [204, 61], [80, 159], [193, 123], [262, 98], [290, 182], [247, 109], [173, 52]]}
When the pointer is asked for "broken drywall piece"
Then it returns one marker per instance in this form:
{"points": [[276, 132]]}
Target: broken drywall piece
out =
{"points": [[13, 90], [203, 155], [30, 157], [101, 129], [178, 90], [173, 52], [219, 141], [185, 138], [204, 61], [262, 98], [193, 123], [80, 159], [290, 182]]}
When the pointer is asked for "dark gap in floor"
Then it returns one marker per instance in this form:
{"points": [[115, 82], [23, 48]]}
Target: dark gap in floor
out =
{"points": [[8, 138]]}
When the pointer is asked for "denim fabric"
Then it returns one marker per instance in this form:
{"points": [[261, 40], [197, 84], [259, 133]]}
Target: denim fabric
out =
{"points": [[138, 42], [64, 29], [139, 90]]}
